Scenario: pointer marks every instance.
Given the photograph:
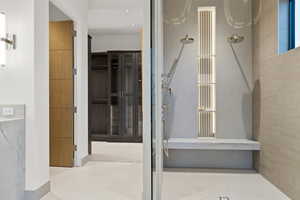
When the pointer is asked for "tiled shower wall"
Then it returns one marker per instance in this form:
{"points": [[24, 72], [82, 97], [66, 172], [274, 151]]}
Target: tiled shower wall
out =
{"points": [[276, 105]]}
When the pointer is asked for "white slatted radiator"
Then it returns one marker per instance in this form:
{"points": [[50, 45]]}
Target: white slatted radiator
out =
{"points": [[207, 72]]}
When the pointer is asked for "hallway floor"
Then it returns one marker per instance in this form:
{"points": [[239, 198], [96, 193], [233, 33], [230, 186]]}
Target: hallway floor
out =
{"points": [[115, 173]]}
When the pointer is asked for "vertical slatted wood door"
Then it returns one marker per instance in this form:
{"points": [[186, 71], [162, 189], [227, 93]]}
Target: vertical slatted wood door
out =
{"points": [[61, 94]]}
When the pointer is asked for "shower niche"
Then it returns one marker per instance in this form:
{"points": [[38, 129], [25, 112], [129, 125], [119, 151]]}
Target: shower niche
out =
{"points": [[207, 72]]}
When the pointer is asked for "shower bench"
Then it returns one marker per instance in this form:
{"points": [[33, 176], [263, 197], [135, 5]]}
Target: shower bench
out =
{"points": [[211, 153], [213, 144]]}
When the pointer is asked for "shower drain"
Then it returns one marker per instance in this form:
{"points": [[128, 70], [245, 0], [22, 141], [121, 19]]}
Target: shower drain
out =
{"points": [[224, 198]]}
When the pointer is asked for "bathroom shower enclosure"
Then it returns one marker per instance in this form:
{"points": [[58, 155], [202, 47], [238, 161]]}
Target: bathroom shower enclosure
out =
{"points": [[198, 92]]}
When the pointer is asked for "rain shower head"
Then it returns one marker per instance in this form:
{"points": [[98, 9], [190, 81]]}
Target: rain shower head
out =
{"points": [[169, 77], [235, 38], [187, 40]]}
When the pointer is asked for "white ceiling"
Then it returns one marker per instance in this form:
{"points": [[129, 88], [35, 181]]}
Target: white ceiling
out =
{"points": [[115, 16]]}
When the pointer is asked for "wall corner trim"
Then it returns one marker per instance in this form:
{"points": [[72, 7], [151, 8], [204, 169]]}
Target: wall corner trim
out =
{"points": [[38, 193]]}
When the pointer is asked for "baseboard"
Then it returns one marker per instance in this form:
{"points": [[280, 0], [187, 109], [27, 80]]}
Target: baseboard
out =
{"points": [[38, 193], [85, 160]]}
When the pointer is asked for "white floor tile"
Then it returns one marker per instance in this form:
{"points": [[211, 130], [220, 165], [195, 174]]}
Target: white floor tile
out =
{"points": [[98, 180], [211, 185], [117, 175], [117, 152]]}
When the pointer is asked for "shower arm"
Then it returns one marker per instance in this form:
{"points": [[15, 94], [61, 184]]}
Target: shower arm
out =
{"points": [[168, 78], [241, 68]]}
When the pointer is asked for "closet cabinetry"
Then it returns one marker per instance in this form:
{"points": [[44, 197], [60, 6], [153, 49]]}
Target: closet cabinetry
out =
{"points": [[115, 97]]}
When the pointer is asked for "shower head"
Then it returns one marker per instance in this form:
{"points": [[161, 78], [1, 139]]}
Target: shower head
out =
{"points": [[235, 38], [169, 77], [187, 40]]}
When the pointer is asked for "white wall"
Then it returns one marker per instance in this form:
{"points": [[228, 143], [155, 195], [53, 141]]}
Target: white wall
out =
{"points": [[77, 10], [102, 43], [233, 97], [25, 80], [17, 86], [55, 14]]}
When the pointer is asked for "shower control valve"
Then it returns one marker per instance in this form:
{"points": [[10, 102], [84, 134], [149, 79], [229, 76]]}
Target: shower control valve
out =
{"points": [[164, 107]]}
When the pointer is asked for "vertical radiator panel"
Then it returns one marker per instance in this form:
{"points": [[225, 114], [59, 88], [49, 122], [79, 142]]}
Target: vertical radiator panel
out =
{"points": [[206, 72]]}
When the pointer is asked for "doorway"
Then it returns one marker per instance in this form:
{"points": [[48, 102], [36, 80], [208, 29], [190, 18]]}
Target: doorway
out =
{"points": [[116, 165], [115, 96], [61, 81], [115, 93]]}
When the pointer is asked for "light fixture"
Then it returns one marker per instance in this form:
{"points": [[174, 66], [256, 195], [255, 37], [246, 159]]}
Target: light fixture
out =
{"points": [[2, 44], [7, 41]]}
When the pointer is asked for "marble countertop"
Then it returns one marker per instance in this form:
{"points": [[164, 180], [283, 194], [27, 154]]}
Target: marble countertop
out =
{"points": [[6, 119]]}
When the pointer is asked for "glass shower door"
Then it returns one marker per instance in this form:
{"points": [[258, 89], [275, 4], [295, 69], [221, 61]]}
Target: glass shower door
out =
{"points": [[152, 100], [157, 104]]}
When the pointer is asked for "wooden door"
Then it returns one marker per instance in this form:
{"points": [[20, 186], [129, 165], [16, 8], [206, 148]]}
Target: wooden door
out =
{"points": [[61, 94]]}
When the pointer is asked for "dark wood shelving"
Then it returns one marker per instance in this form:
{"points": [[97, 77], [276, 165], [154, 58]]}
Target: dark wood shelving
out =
{"points": [[100, 67], [115, 106], [100, 101], [114, 94], [98, 96], [115, 138]]}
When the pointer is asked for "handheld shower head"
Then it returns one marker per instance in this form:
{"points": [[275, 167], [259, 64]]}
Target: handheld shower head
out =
{"points": [[235, 38]]}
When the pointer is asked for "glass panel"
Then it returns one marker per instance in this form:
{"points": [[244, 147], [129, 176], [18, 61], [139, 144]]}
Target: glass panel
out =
{"points": [[156, 72], [204, 91], [153, 101], [139, 95], [129, 93], [115, 94]]}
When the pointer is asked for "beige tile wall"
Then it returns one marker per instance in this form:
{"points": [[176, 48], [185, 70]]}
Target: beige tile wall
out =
{"points": [[276, 105]]}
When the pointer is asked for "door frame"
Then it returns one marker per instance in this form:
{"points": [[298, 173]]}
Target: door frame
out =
{"points": [[153, 53], [146, 76], [77, 160], [147, 92]]}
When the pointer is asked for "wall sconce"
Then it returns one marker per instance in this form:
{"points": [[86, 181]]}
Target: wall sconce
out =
{"points": [[6, 41]]}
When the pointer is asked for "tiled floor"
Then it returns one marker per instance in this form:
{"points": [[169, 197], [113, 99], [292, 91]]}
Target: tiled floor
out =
{"points": [[116, 174], [212, 184]]}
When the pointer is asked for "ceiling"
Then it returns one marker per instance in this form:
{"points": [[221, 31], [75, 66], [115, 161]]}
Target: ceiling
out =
{"points": [[115, 16]]}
